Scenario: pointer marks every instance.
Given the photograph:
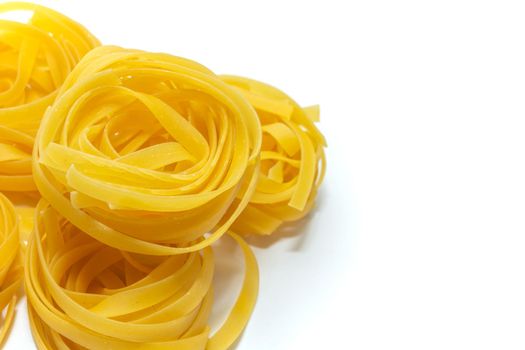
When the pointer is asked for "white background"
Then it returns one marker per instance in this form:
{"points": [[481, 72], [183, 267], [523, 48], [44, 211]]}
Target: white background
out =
{"points": [[418, 240]]}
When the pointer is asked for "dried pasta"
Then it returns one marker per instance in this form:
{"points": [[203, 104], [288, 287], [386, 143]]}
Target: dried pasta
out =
{"points": [[116, 157], [292, 158], [84, 294], [35, 59], [142, 161]]}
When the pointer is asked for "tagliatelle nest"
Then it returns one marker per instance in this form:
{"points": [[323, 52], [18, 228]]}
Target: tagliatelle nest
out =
{"points": [[148, 152], [292, 158], [84, 293], [35, 59]]}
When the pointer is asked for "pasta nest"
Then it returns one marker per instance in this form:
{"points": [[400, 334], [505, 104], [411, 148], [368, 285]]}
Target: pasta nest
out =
{"points": [[148, 153], [83, 294], [293, 161], [35, 59]]}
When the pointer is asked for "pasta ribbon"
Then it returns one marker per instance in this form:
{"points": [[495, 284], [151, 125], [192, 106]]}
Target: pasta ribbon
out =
{"points": [[10, 263], [84, 294], [147, 152], [35, 59], [292, 158]]}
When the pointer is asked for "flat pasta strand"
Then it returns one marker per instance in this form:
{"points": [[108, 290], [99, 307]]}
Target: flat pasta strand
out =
{"points": [[35, 59]]}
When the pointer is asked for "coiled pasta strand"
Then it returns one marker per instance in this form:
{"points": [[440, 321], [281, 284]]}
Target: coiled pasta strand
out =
{"points": [[35, 59]]}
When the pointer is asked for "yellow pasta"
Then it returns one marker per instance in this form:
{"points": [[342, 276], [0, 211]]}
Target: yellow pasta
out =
{"points": [[10, 263], [143, 161], [147, 152], [84, 294], [35, 59], [292, 158]]}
